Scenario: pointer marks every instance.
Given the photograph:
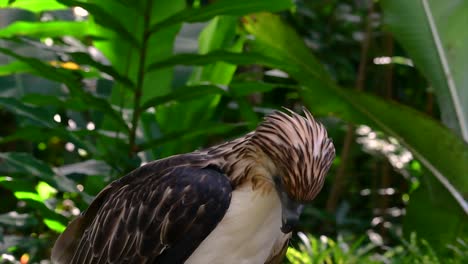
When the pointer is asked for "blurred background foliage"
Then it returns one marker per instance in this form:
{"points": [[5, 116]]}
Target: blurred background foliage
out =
{"points": [[90, 90]]}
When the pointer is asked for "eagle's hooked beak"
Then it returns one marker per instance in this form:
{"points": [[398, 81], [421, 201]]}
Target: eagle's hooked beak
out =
{"points": [[291, 209]]}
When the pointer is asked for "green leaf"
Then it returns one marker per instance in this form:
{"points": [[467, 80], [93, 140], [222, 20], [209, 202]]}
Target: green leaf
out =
{"points": [[191, 92], [36, 114], [130, 61], [104, 106], [433, 33], [214, 129], [33, 5], [49, 29], [105, 19], [25, 164], [185, 93], [55, 225], [44, 118], [428, 207], [82, 101], [42, 69], [221, 55], [85, 59], [39, 134], [45, 191], [219, 34], [446, 157], [238, 89], [16, 185], [15, 67], [220, 8], [28, 196], [23, 190], [247, 112]]}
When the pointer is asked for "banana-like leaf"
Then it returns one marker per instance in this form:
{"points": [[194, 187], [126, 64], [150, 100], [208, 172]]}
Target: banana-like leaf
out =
{"points": [[434, 34]]}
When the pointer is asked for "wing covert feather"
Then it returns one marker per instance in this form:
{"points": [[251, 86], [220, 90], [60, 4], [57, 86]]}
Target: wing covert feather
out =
{"points": [[156, 214]]}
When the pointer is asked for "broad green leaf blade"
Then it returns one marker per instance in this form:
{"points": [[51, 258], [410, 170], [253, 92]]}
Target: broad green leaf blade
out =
{"points": [[220, 8], [47, 29], [33, 5], [433, 33], [225, 56], [446, 157]]}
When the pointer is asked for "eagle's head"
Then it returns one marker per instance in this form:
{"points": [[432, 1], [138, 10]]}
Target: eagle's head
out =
{"points": [[301, 153]]}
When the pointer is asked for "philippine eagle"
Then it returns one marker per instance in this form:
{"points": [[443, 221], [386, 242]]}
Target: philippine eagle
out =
{"points": [[232, 203]]}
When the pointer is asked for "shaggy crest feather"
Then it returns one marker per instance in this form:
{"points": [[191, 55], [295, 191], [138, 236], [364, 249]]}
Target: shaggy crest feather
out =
{"points": [[300, 149]]}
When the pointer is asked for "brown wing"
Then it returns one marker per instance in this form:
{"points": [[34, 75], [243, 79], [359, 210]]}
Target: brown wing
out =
{"points": [[159, 213]]}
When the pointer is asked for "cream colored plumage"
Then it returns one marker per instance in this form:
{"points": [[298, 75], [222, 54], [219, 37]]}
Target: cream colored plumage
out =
{"points": [[232, 203]]}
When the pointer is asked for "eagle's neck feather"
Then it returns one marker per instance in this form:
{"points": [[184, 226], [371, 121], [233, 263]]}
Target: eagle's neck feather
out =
{"points": [[243, 163]]}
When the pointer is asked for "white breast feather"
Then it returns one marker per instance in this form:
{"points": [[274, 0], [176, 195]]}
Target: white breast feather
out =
{"points": [[246, 234]]}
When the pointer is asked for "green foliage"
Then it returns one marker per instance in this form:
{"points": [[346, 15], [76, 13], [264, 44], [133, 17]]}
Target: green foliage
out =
{"points": [[326, 250], [90, 90]]}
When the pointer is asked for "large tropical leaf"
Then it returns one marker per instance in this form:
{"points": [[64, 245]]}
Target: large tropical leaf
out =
{"points": [[433, 33]]}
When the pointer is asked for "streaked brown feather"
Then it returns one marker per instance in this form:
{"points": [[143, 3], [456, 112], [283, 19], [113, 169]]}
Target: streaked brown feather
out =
{"points": [[140, 219]]}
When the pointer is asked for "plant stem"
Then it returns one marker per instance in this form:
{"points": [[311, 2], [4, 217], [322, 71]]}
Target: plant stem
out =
{"points": [[340, 181], [140, 79]]}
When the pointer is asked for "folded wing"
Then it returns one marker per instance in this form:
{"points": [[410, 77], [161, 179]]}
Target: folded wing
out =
{"points": [[159, 213]]}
